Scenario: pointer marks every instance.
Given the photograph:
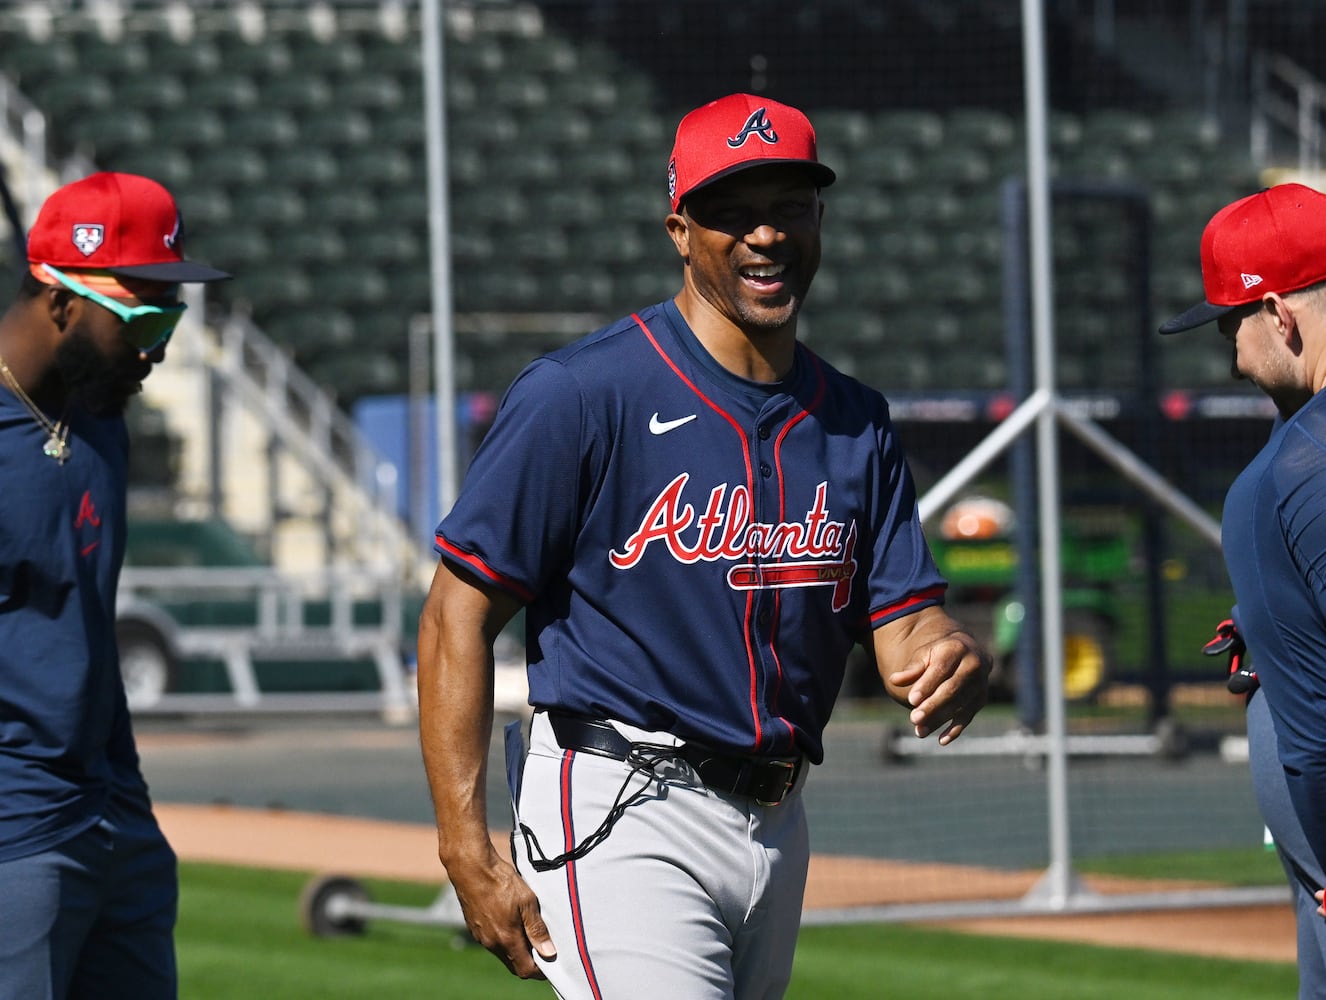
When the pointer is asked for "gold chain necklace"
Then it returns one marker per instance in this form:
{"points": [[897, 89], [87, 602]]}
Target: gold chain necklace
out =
{"points": [[57, 439]]}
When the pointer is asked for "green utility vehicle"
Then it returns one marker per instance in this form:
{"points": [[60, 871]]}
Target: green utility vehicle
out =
{"points": [[982, 573]]}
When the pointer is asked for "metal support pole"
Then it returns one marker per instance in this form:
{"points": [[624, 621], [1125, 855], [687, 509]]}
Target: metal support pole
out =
{"points": [[1058, 885], [439, 230]]}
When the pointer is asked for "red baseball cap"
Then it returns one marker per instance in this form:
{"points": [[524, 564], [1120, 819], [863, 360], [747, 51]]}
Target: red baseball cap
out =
{"points": [[737, 132], [121, 223], [1272, 241]]}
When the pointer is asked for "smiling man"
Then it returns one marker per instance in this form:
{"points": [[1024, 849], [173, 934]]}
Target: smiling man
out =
{"points": [[701, 519], [89, 881]]}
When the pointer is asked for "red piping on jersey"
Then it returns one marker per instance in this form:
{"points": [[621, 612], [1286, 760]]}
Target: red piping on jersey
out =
{"points": [[484, 570], [929, 594], [572, 886], [782, 517], [751, 664]]}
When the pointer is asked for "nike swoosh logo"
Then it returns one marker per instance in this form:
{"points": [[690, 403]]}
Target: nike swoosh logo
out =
{"points": [[657, 426]]}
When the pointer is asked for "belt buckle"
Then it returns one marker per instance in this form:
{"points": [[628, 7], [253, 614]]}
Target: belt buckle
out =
{"points": [[791, 768]]}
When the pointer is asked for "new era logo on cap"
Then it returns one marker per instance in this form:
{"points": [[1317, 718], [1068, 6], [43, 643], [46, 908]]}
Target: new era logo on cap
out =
{"points": [[737, 132], [1272, 241]]}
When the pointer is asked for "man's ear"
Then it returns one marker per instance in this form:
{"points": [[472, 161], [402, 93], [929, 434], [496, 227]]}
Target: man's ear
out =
{"points": [[1283, 320], [60, 306], [680, 232]]}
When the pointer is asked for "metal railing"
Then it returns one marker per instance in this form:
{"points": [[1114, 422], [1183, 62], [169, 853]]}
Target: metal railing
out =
{"points": [[1288, 105]]}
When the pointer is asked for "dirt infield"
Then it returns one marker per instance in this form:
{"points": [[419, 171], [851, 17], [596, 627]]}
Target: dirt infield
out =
{"points": [[408, 852]]}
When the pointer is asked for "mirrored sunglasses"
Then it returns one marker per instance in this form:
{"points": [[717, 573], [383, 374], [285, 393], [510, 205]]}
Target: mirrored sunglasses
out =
{"points": [[146, 327]]}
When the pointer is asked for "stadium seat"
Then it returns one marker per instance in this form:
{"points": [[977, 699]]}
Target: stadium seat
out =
{"points": [[273, 287], [604, 164], [193, 59], [407, 205], [231, 166], [369, 92], [65, 97], [390, 245], [345, 205], [404, 129], [378, 168], [267, 59], [884, 165], [953, 163], [315, 332], [1118, 126], [336, 129], [224, 93], [191, 129], [234, 249], [543, 54], [31, 64], [104, 135], [537, 246], [154, 94], [916, 129], [272, 206], [119, 60], [981, 127], [846, 128], [297, 92], [167, 165], [500, 205], [303, 167], [351, 375], [349, 284], [263, 128], [1196, 131], [337, 58], [203, 207], [857, 204], [310, 244]]}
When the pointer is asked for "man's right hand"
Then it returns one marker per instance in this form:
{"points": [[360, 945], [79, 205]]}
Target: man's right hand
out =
{"points": [[502, 914]]}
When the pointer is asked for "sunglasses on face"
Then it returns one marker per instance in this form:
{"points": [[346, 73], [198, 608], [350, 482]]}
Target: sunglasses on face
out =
{"points": [[145, 327]]}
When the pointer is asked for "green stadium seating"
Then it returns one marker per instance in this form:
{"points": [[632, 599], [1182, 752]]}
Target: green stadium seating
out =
{"points": [[300, 159]]}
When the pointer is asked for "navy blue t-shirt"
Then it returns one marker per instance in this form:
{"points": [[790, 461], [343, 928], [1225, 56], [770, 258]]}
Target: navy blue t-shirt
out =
{"points": [[1274, 540], [698, 553], [65, 738]]}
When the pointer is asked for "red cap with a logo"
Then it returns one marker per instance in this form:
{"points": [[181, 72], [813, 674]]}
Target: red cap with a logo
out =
{"points": [[122, 223], [1272, 241], [737, 132]]}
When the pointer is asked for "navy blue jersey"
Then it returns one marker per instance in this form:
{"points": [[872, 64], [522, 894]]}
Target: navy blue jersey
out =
{"points": [[698, 553], [65, 738], [1274, 541]]}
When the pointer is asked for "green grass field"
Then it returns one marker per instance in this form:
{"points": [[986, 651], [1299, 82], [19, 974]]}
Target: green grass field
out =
{"points": [[240, 936]]}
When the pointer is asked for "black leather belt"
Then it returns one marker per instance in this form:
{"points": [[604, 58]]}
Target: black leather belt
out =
{"points": [[767, 780]]}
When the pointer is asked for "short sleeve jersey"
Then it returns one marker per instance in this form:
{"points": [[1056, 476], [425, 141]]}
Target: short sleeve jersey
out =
{"points": [[697, 553], [1274, 542], [65, 737]]}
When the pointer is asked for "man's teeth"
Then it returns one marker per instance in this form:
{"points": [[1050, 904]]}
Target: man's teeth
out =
{"points": [[771, 271]]}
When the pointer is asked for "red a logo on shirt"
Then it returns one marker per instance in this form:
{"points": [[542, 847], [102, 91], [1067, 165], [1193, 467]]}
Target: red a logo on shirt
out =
{"points": [[87, 514]]}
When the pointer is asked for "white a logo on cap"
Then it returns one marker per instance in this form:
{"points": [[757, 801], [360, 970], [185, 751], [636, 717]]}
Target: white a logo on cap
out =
{"points": [[88, 236], [1250, 280]]}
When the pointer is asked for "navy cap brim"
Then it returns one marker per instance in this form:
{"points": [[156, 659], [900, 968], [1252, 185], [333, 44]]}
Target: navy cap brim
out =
{"points": [[822, 175], [1203, 312], [175, 272]]}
